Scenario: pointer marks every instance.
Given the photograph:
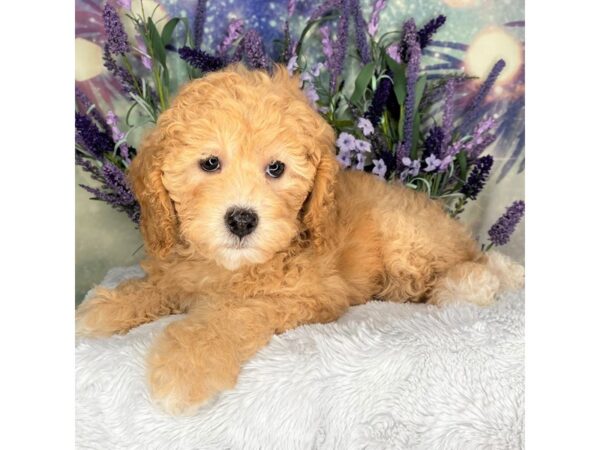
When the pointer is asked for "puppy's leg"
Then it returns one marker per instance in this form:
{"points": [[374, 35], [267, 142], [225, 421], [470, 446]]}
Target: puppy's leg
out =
{"points": [[471, 282], [199, 356], [116, 311]]}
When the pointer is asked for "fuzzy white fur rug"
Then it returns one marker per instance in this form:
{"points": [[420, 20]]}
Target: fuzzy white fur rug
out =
{"points": [[384, 376]]}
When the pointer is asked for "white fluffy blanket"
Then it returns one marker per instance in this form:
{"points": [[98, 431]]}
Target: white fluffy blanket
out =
{"points": [[384, 376]]}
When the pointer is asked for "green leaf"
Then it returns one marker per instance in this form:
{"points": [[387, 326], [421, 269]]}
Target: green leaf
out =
{"points": [[462, 162], [400, 87], [394, 66], [361, 83], [156, 44], [167, 32], [419, 89], [307, 28]]}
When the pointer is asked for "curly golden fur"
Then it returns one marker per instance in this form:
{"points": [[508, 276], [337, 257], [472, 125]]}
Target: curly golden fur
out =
{"points": [[326, 239]]}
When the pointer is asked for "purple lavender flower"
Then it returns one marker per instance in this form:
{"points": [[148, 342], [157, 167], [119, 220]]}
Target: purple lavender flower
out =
{"points": [[473, 107], [146, 60], [380, 98], [118, 135], [326, 42], [380, 168], [365, 126], [477, 177], [292, 64], [234, 31], [362, 146], [116, 38], [361, 35], [401, 153], [199, 20], [95, 141], [291, 7], [125, 4], [86, 105], [201, 60], [254, 50], [414, 62], [324, 8], [126, 80], [433, 142], [341, 46], [374, 22], [481, 138], [425, 34], [504, 227], [476, 149], [448, 117], [115, 189], [346, 142], [345, 158]]}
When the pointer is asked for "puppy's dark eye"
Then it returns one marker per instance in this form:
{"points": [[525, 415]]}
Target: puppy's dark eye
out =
{"points": [[275, 169], [210, 164]]}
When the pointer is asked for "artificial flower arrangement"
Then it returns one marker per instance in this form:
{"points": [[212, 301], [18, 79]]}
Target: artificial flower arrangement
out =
{"points": [[391, 118]]}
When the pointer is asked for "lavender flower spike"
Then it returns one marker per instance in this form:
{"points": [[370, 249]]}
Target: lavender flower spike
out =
{"points": [[291, 7], [324, 8], [448, 117], [200, 59], [254, 50], [380, 97], [487, 85], [426, 33], [341, 45], [361, 35], [374, 22], [414, 63], [116, 38], [504, 227], [95, 141], [234, 31], [478, 177], [326, 42], [199, 20]]}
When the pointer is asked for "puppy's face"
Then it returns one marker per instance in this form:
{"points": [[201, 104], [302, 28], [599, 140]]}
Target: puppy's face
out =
{"points": [[241, 151]]}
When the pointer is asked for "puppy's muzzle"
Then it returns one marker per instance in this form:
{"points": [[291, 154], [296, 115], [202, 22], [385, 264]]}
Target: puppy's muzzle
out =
{"points": [[241, 221]]}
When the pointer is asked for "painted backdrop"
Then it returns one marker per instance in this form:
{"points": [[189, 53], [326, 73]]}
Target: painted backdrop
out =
{"points": [[477, 33]]}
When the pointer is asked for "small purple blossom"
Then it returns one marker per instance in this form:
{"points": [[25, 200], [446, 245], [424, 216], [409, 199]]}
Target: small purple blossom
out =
{"points": [[345, 158], [234, 31], [393, 52], [199, 20], [200, 59], [116, 38], [433, 142], [412, 167], [346, 142], [311, 94], [505, 226], [315, 71], [362, 146], [433, 163], [365, 126], [380, 97], [478, 176], [374, 22], [380, 168], [481, 139], [360, 161], [118, 135]]}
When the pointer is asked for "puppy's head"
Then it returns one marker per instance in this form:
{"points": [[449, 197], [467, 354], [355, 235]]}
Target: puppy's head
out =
{"points": [[237, 167]]}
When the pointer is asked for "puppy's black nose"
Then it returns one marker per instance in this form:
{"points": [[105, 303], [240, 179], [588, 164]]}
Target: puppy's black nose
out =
{"points": [[241, 221]]}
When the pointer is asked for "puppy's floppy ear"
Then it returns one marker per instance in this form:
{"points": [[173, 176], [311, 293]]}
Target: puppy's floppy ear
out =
{"points": [[319, 208], [158, 219]]}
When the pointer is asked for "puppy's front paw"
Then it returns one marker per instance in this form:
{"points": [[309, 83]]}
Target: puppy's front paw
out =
{"points": [[187, 369], [99, 316]]}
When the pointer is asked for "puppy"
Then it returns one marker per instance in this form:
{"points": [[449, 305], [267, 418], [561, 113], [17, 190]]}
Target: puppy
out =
{"points": [[252, 229]]}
